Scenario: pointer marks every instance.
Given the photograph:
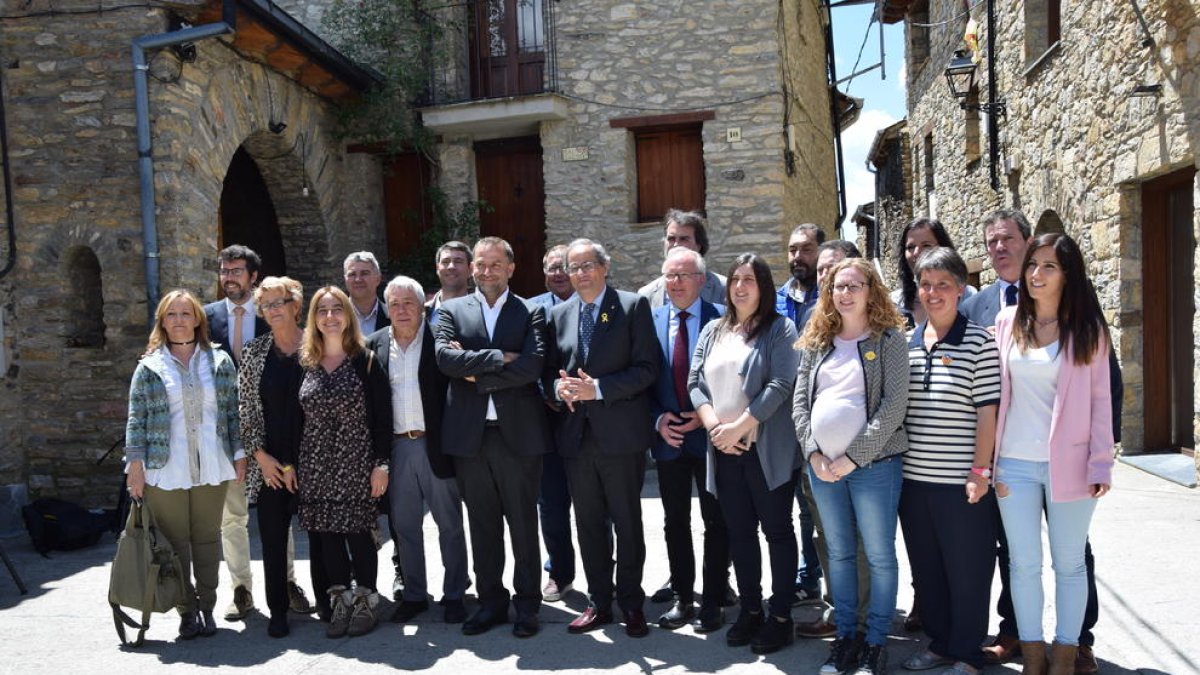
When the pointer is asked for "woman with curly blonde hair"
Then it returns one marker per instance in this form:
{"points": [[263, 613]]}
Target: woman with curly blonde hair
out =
{"points": [[848, 408]]}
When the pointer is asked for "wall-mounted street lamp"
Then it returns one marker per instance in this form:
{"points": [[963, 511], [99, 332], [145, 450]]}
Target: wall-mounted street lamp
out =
{"points": [[960, 75]]}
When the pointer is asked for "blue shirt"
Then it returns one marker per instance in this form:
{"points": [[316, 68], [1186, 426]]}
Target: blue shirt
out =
{"points": [[693, 328]]}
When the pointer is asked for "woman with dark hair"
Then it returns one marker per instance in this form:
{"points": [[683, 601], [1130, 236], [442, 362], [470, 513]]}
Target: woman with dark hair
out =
{"points": [[946, 509], [740, 381], [916, 238], [344, 454], [182, 447], [1054, 452], [272, 423], [848, 409]]}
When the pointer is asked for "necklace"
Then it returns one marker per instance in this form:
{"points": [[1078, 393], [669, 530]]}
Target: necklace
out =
{"points": [[1045, 322], [181, 344]]}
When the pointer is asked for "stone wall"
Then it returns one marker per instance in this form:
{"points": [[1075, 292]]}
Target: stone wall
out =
{"points": [[1074, 142], [69, 94]]}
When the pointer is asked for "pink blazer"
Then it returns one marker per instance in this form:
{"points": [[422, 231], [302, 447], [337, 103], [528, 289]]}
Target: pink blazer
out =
{"points": [[1081, 439]]}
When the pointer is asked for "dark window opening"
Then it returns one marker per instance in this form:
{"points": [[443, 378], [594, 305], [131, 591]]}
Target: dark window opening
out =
{"points": [[85, 299]]}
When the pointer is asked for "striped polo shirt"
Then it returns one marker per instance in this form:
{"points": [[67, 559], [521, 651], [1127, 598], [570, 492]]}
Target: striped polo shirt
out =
{"points": [[946, 385]]}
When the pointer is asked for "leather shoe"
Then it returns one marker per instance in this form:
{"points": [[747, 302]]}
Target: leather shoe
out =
{"points": [[744, 629], [1002, 650], [1085, 661], [408, 610], [483, 619], [454, 611], [277, 627], [731, 597], [710, 619], [526, 625], [663, 594], [635, 624], [681, 612], [817, 630], [590, 620], [190, 625]]}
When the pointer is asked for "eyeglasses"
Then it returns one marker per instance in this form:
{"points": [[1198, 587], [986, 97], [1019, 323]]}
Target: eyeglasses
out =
{"points": [[555, 269], [272, 306], [853, 288], [232, 272], [584, 267], [679, 276]]}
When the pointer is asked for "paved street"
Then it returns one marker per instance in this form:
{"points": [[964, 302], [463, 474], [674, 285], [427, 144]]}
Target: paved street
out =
{"points": [[1145, 538]]}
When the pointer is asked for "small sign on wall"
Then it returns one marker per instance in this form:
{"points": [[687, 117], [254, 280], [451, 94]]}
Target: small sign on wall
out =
{"points": [[576, 154]]}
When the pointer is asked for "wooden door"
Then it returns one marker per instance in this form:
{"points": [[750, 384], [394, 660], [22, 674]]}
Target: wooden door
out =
{"points": [[407, 210], [1168, 282], [508, 48], [670, 171], [509, 177]]}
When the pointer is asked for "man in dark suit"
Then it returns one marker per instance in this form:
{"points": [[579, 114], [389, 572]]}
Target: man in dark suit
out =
{"points": [[603, 360], [554, 499], [681, 449], [492, 346], [232, 323], [421, 474]]}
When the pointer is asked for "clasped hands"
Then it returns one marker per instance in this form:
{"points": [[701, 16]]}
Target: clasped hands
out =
{"points": [[730, 437], [275, 473], [571, 390], [674, 426], [831, 471]]}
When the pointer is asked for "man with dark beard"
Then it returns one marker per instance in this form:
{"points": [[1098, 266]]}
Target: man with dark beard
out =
{"points": [[800, 293]]}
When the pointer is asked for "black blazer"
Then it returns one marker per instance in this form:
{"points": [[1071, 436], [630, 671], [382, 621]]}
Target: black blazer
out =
{"points": [[218, 326], [624, 358], [513, 386], [379, 402], [432, 384]]}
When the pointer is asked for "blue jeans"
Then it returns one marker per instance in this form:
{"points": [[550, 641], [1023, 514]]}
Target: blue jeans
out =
{"points": [[1023, 490], [863, 503]]}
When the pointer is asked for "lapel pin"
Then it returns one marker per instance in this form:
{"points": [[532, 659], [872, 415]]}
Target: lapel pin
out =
{"points": [[946, 360], [870, 356], [603, 317]]}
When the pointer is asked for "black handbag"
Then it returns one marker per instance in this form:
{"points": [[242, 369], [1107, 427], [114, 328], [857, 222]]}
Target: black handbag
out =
{"points": [[146, 574]]}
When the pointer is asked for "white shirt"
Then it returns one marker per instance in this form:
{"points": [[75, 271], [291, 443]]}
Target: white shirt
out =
{"points": [[196, 457], [839, 409], [403, 364], [1034, 378], [490, 315], [247, 319], [723, 370]]}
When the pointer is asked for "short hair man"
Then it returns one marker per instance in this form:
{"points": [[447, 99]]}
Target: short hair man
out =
{"points": [[491, 344], [554, 499], [799, 293], [1006, 235], [233, 322], [680, 449], [452, 262], [603, 359], [421, 474], [686, 229], [362, 276]]}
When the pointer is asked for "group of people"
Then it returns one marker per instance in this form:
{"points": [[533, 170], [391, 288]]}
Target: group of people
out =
{"points": [[962, 416]]}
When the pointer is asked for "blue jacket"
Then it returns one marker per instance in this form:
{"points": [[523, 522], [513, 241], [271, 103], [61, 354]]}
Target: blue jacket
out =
{"points": [[797, 312], [664, 400]]}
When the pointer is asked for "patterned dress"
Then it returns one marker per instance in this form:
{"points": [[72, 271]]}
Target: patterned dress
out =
{"points": [[335, 452]]}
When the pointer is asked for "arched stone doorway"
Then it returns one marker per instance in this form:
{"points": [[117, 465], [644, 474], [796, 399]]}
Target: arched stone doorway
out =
{"points": [[1049, 222], [267, 204]]}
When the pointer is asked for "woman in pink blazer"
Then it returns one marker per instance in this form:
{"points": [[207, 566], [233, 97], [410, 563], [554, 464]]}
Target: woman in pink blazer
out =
{"points": [[1054, 452]]}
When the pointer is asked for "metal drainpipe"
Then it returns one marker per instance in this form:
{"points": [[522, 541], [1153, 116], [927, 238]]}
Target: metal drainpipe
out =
{"points": [[140, 46]]}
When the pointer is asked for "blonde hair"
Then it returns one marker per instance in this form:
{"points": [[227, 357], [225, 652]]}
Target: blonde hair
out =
{"points": [[825, 322], [158, 334], [312, 347], [286, 285]]}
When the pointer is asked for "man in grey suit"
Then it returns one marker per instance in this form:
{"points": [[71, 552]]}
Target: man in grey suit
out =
{"points": [[492, 345], [421, 474], [603, 358], [689, 230]]}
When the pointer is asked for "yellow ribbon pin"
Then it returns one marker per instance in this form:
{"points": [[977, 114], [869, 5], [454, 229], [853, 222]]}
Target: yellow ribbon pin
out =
{"points": [[870, 356], [604, 317]]}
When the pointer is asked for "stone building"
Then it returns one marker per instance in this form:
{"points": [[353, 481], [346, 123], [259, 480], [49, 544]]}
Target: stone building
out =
{"points": [[591, 118], [1100, 138], [242, 128]]}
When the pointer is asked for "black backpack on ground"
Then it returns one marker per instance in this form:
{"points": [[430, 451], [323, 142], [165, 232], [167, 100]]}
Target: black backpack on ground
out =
{"points": [[59, 525]]}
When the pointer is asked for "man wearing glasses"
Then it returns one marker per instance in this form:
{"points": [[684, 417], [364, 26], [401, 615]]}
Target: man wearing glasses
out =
{"points": [[685, 229], [362, 275], [232, 323]]}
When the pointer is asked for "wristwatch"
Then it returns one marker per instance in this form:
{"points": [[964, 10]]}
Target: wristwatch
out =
{"points": [[981, 471]]}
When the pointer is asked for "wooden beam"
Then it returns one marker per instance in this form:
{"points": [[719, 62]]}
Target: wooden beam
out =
{"points": [[662, 120]]}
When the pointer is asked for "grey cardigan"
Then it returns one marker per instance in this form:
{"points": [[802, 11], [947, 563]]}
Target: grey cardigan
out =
{"points": [[885, 370], [769, 374]]}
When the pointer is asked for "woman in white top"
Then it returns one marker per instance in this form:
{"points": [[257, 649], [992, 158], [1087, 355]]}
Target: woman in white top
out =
{"points": [[848, 409], [740, 381], [182, 447]]}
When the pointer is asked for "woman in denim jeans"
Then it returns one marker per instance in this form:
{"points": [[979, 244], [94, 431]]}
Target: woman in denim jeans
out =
{"points": [[849, 406], [1054, 452]]}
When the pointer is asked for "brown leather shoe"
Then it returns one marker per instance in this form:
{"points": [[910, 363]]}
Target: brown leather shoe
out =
{"points": [[635, 624], [817, 630], [590, 620], [1033, 658], [1062, 659], [1001, 650], [1085, 661]]}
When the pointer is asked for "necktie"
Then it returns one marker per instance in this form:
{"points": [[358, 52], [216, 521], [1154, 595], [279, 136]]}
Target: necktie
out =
{"points": [[238, 312], [587, 326], [680, 362], [1010, 296]]}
